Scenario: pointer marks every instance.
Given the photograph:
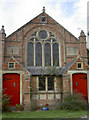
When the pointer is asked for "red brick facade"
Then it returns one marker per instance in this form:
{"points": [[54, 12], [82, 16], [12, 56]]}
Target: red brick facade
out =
{"points": [[18, 41]]}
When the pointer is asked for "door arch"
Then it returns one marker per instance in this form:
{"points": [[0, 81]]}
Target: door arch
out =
{"points": [[79, 81], [11, 86]]}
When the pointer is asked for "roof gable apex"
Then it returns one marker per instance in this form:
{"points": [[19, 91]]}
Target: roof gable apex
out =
{"points": [[37, 20], [18, 65], [70, 65]]}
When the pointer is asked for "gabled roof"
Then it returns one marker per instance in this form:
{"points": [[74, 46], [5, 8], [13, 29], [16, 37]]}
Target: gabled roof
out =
{"points": [[69, 65], [31, 22], [53, 70], [13, 59], [44, 70]]}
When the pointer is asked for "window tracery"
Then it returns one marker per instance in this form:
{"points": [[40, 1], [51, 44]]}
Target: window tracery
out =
{"points": [[43, 47]]}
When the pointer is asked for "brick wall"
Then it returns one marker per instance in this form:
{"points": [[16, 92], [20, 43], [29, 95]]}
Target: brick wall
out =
{"points": [[20, 37]]}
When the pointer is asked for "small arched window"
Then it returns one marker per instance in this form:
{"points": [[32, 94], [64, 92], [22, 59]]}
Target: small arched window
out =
{"points": [[55, 54], [30, 54], [47, 54], [38, 54]]}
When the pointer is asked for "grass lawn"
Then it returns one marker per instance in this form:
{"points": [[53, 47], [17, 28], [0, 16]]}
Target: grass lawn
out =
{"points": [[45, 114]]}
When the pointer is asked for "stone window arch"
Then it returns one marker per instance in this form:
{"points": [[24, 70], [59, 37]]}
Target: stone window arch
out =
{"points": [[44, 48]]}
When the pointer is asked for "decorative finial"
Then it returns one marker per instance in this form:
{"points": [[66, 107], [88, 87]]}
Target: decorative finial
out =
{"points": [[3, 31], [43, 9], [82, 34]]}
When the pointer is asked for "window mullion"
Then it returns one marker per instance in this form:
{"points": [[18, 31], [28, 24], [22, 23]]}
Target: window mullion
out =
{"points": [[34, 53], [51, 53], [46, 84]]}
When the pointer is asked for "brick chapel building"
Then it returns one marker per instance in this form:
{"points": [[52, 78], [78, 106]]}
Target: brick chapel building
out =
{"points": [[42, 61]]}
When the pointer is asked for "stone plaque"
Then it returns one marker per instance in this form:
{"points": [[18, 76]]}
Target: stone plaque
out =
{"points": [[50, 96], [14, 48], [72, 51], [57, 96], [43, 96]]}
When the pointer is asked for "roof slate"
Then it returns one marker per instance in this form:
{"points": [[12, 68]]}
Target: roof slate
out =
{"points": [[51, 70], [45, 70]]}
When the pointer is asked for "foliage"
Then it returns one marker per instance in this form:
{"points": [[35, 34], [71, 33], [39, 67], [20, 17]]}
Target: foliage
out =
{"points": [[52, 70], [31, 91], [34, 105], [73, 102], [18, 105], [5, 103]]}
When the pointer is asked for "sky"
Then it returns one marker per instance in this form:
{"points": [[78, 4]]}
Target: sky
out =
{"points": [[71, 14]]}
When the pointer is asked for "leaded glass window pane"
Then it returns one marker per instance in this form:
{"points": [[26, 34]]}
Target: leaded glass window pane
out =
{"points": [[11, 65], [43, 34], [30, 54], [55, 54], [50, 83], [41, 83], [47, 54], [38, 54]]}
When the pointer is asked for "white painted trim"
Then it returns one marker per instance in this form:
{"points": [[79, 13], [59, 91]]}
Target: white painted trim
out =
{"points": [[9, 71], [81, 65], [77, 71], [20, 73], [21, 89], [71, 84], [13, 67]]}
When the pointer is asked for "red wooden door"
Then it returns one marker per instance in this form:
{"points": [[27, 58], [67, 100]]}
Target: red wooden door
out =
{"points": [[11, 86], [80, 84]]}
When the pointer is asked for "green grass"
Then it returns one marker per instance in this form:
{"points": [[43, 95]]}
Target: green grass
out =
{"points": [[45, 114]]}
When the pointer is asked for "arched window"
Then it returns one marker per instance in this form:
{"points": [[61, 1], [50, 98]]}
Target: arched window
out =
{"points": [[47, 54], [43, 48], [55, 54], [38, 54], [30, 54]]}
